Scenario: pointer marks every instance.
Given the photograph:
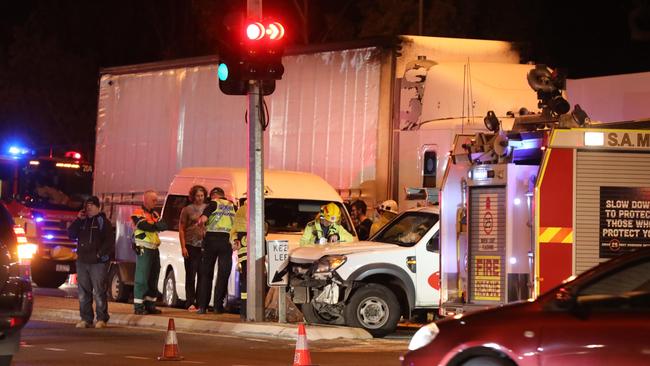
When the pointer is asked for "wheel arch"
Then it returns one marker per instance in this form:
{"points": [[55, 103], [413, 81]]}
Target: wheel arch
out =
{"points": [[480, 351]]}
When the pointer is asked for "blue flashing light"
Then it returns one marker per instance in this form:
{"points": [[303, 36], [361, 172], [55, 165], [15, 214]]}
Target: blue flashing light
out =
{"points": [[38, 219], [17, 151], [49, 236], [222, 72]]}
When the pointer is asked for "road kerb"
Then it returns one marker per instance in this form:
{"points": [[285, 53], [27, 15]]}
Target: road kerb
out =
{"points": [[265, 329]]}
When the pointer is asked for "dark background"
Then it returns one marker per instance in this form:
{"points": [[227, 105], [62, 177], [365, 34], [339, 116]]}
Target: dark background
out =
{"points": [[51, 51]]}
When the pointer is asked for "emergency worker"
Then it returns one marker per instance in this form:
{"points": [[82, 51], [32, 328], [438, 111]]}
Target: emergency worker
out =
{"points": [[218, 218], [240, 244], [147, 224], [325, 228], [387, 211]]}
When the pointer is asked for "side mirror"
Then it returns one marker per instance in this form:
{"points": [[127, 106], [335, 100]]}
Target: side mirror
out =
{"points": [[434, 244]]}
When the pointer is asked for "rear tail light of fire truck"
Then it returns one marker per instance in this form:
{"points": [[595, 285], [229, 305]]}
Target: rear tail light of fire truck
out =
{"points": [[26, 250]]}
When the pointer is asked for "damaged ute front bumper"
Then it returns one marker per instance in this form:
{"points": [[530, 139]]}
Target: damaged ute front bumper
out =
{"points": [[318, 282]]}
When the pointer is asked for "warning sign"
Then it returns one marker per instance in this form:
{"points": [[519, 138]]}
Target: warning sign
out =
{"points": [[487, 278], [488, 220], [277, 259], [624, 220]]}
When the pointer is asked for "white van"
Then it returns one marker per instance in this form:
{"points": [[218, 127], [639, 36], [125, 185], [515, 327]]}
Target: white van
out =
{"points": [[292, 199]]}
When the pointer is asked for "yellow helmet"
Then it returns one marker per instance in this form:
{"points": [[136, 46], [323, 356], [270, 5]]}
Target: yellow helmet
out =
{"points": [[330, 212]]}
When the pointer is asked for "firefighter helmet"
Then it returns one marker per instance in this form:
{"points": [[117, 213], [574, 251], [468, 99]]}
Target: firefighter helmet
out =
{"points": [[330, 212], [388, 205]]}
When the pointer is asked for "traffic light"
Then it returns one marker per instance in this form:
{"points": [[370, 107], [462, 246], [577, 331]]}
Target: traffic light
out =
{"points": [[263, 48], [253, 51]]}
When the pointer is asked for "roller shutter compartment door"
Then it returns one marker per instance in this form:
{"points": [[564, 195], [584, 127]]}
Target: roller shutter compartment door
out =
{"points": [[487, 246], [594, 170]]}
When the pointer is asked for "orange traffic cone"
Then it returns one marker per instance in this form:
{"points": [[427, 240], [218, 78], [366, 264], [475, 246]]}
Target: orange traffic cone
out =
{"points": [[302, 356], [170, 349]]}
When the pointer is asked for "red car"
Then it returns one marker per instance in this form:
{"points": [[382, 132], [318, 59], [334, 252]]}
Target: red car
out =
{"points": [[602, 317]]}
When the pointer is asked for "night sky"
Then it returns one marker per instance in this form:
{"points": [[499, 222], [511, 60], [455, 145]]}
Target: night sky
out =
{"points": [[51, 51]]}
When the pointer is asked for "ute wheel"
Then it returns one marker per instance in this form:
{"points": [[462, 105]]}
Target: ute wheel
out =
{"points": [[49, 279], [117, 290], [321, 314], [374, 308], [170, 297], [487, 361]]}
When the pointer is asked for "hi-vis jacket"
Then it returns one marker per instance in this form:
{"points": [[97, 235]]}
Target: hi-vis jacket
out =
{"points": [[220, 213], [146, 231], [238, 232], [314, 235]]}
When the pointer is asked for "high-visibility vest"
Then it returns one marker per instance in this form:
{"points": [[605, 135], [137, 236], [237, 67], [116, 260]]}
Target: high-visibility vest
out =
{"points": [[146, 239], [221, 219], [238, 232], [314, 233]]}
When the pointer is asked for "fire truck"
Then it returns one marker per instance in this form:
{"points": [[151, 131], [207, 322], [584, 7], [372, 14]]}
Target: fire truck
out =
{"points": [[522, 210], [44, 195]]}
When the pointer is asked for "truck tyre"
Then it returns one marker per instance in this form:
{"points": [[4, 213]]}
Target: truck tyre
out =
{"points": [[170, 297], [118, 291], [314, 316], [374, 308], [49, 279]]}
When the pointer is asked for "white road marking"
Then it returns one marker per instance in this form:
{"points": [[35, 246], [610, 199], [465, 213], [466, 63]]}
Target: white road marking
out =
{"points": [[197, 362], [56, 349], [137, 358], [94, 354]]}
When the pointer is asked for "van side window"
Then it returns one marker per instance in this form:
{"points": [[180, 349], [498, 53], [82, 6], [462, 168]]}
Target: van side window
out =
{"points": [[172, 212]]}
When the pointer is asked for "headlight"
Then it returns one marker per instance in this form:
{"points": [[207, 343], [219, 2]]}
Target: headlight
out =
{"points": [[424, 336], [26, 251], [329, 263]]}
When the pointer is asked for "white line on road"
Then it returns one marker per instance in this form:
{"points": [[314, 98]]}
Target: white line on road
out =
{"points": [[197, 362], [94, 354], [137, 358], [56, 349]]}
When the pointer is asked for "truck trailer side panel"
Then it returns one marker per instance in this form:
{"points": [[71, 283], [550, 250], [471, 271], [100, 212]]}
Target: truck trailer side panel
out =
{"points": [[323, 120]]}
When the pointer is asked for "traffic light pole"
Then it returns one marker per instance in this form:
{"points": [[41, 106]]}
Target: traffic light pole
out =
{"points": [[255, 236]]}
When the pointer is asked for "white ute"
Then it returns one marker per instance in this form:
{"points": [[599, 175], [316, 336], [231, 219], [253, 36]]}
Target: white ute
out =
{"points": [[371, 284]]}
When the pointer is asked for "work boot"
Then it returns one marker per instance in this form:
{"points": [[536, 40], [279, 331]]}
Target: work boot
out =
{"points": [[154, 311], [83, 324], [140, 312], [100, 324], [201, 311]]}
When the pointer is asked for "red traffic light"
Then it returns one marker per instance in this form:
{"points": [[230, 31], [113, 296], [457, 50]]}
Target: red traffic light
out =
{"points": [[275, 31], [255, 31]]}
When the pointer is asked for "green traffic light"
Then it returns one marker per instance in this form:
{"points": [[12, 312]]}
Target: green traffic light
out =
{"points": [[222, 72]]}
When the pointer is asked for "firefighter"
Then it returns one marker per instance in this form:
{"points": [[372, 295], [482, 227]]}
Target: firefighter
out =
{"points": [[239, 243], [218, 218], [325, 228], [147, 266], [387, 211]]}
